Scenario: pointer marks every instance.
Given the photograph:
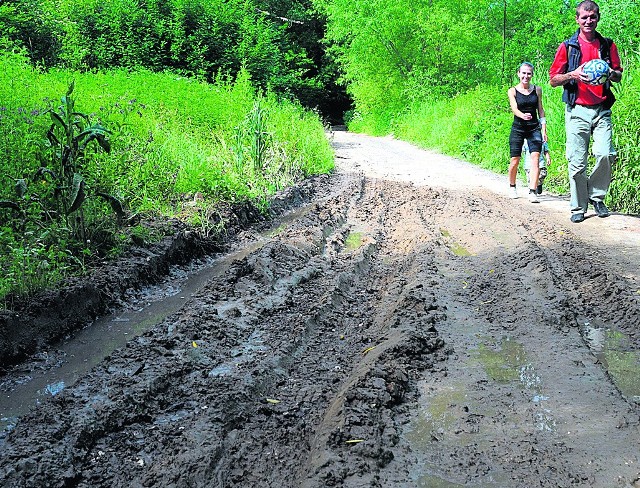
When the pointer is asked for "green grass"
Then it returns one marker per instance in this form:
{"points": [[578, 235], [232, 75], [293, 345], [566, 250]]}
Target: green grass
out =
{"points": [[173, 140]]}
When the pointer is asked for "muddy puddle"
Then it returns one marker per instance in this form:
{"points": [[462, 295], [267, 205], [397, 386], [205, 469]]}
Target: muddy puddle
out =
{"points": [[353, 241], [46, 374], [455, 247], [453, 417], [614, 350]]}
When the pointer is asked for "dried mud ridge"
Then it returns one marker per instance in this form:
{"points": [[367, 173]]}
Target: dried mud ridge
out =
{"points": [[304, 365]]}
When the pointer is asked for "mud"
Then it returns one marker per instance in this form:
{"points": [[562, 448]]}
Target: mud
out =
{"points": [[31, 326], [393, 334]]}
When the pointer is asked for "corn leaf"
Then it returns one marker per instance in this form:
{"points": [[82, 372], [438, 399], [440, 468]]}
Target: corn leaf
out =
{"points": [[116, 205], [77, 193]]}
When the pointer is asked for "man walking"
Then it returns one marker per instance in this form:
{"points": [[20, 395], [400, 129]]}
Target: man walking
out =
{"points": [[588, 110]]}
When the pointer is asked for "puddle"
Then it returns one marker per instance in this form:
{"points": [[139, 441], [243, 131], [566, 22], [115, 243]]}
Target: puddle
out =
{"points": [[437, 417], [277, 231], [455, 248], [353, 241], [440, 413], [50, 372], [613, 349], [449, 418], [508, 363]]}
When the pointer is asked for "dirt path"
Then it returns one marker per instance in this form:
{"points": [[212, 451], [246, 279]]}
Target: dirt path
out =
{"points": [[410, 327]]}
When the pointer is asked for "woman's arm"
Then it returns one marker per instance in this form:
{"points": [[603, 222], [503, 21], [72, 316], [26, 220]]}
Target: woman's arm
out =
{"points": [[543, 120]]}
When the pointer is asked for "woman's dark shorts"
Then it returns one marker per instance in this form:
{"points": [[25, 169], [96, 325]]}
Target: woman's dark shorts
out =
{"points": [[517, 137]]}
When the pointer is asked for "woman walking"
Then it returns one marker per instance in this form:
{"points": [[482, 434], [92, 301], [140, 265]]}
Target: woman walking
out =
{"points": [[529, 123]]}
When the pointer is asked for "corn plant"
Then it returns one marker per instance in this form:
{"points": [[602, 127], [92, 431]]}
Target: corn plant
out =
{"points": [[69, 136], [58, 189]]}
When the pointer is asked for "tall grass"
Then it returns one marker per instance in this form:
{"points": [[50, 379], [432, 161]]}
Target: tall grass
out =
{"points": [[467, 126], [625, 185], [175, 146]]}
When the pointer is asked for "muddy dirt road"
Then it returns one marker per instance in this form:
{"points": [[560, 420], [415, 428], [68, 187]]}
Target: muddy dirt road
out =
{"points": [[410, 327]]}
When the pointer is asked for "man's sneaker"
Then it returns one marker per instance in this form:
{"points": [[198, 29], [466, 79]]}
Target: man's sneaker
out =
{"points": [[533, 198], [576, 218], [513, 192], [539, 189], [600, 208]]}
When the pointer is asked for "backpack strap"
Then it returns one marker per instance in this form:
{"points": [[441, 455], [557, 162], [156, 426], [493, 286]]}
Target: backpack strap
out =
{"points": [[605, 49], [573, 55]]}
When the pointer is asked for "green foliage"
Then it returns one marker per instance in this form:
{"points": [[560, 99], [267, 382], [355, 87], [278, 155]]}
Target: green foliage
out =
{"points": [[69, 137], [252, 140], [31, 262], [395, 54], [624, 194], [470, 126], [58, 189], [30, 24], [278, 43], [172, 144]]}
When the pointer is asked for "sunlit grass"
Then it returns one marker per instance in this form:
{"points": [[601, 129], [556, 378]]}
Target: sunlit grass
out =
{"points": [[172, 138]]}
